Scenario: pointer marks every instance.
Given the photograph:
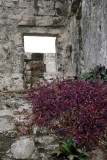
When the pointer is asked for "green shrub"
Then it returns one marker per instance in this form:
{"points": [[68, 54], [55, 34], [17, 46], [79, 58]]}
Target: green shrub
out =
{"points": [[98, 73], [69, 150]]}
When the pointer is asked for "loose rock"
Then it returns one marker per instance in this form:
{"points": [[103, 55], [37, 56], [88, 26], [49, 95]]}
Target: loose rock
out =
{"points": [[22, 149]]}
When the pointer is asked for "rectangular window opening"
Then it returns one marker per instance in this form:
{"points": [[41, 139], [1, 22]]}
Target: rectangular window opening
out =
{"points": [[39, 44]]}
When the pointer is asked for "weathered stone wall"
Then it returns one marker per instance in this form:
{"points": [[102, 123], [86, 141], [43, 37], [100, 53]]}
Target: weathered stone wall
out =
{"points": [[37, 145], [88, 34], [76, 37], [39, 66], [80, 30], [50, 64], [34, 69], [94, 26], [23, 17], [80, 27]]}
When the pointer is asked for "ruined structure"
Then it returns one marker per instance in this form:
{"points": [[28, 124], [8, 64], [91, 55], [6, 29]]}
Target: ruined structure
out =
{"points": [[78, 25], [80, 28], [31, 17]]}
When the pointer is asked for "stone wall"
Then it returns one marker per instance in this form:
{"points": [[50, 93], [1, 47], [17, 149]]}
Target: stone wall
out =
{"points": [[94, 26], [36, 145], [80, 28], [51, 68], [76, 37], [78, 25], [34, 69], [29, 17], [39, 66], [88, 34]]}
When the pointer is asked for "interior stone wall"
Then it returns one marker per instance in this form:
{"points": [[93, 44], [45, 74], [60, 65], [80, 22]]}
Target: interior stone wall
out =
{"points": [[88, 34], [94, 26], [50, 64], [34, 69], [76, 37]]}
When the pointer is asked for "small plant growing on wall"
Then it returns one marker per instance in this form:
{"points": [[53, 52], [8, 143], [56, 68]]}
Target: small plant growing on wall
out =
{"points": [[98, 73], [68, 150]]}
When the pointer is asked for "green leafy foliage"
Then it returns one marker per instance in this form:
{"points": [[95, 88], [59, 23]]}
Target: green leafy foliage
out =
{"points": [[70, 150], [98, 73]]}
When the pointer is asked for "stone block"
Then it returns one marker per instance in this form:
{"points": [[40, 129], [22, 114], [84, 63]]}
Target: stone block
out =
{"points": [[28, 79], [28, 73], [50, 76], [6, 113], [5, 125], [11, 81], [27, 56], [28, 65], [28, 85], [44, 21], [51, 67], [9, 4], [22, 149], [44, 139], [58, 4], [5, 143], [46, 8], [59, 21]]}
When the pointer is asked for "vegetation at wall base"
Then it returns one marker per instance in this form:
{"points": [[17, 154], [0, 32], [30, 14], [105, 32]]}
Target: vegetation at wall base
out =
{"points": [[72, 108], [98, 73], [70, 151]]}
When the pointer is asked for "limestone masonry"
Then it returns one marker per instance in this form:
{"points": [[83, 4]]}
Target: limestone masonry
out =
{"points": [[80, 28]]}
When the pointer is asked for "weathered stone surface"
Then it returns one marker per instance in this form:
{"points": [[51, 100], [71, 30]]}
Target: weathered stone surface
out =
{"points": [[12, 104], [5, 145], [28, 65], [24, 106], [5, 125], [45, 139], [94, 35], [88, 34], [22, 149], [10, 134], [6, 113], [44, 17], [11, 81], [98, 154]]}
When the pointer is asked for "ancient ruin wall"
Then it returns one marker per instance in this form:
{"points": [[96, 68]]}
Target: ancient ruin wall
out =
{"points": [[88, 34], [30, 17], [79, 26], [94, 26]]}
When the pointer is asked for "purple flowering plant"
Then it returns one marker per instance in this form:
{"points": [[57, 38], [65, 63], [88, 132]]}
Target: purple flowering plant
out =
{"points": [[79, 107]]}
